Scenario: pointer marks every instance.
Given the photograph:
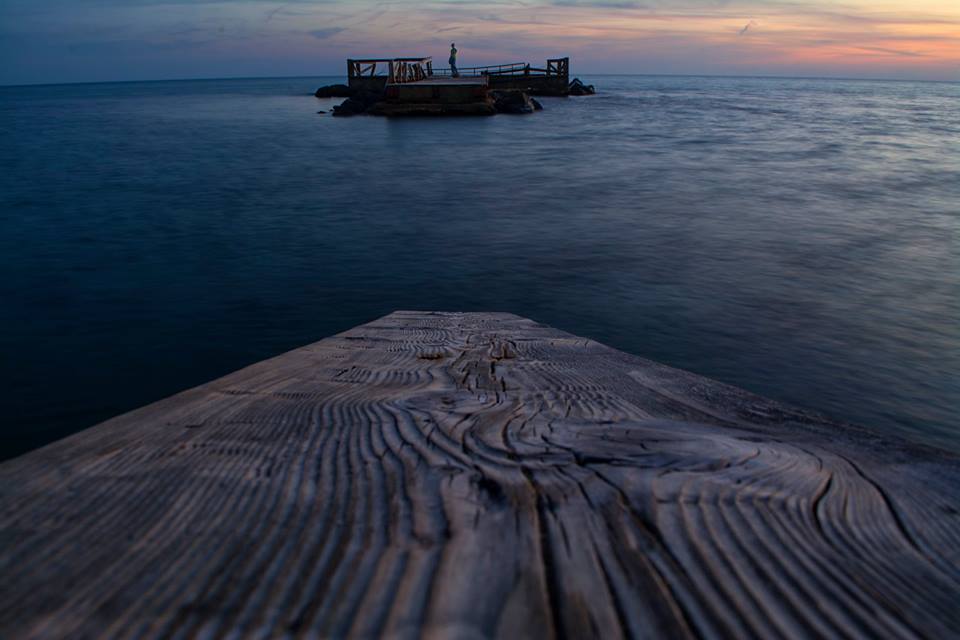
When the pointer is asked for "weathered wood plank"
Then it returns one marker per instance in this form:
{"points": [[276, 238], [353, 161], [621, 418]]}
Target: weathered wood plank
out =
{"points": [[476, 475]]}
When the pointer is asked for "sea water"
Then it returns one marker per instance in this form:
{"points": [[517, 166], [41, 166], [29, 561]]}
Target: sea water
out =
{"points": [[799, 238]]}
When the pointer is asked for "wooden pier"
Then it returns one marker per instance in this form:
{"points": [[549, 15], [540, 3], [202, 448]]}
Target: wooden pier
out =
{"points": [[450, 475], [376, 74], [412, 87]]}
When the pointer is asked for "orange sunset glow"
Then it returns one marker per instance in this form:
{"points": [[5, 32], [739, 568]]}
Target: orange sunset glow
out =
{"points": [[103, 40]]}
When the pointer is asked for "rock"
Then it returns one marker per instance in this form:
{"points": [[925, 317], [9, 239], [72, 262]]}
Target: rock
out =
{"points": [[512, 102], [334, 91], [321, 111], [359, 103], [350, 107], [577, 88], [536, 104]]}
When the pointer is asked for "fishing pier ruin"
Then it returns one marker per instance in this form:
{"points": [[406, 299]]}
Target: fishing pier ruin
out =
{"points": [[402, 86], [407, 73]]}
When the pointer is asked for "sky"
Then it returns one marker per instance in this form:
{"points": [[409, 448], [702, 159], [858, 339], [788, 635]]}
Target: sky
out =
{"points": [[51, 41]]}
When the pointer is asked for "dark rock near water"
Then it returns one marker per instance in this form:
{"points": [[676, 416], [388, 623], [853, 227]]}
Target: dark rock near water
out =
{"points": [[373, 103], [358, 104], [577, 88], [516, 102], [334, 91], [349, 107]]}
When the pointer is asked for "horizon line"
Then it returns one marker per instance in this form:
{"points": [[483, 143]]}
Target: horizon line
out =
{"points": [[340, 75]]}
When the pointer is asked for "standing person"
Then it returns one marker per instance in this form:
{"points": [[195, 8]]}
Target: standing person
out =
{"points": [[453, 61]]}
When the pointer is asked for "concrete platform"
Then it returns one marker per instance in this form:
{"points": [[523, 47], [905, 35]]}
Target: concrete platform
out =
{"points": [[462, 81]]}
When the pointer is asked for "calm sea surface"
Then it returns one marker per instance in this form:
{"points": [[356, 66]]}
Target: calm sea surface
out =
{"points": [[800, 238]]}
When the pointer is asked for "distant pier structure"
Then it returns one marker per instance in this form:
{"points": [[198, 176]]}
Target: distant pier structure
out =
{"points": [[412, 74], [411, 86]]}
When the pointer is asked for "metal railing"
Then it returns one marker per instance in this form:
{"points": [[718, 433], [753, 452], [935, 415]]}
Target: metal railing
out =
{"points": [[515, 68], [555, 67]]}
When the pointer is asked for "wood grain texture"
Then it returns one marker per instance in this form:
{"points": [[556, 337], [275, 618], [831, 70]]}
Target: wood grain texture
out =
{"points": [[474, 476]]}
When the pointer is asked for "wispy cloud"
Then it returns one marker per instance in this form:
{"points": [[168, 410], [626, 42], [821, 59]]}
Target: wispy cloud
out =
{"points": [[273, 12], [893, 52], [323, 34], [919, 38], [600, 4]]}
